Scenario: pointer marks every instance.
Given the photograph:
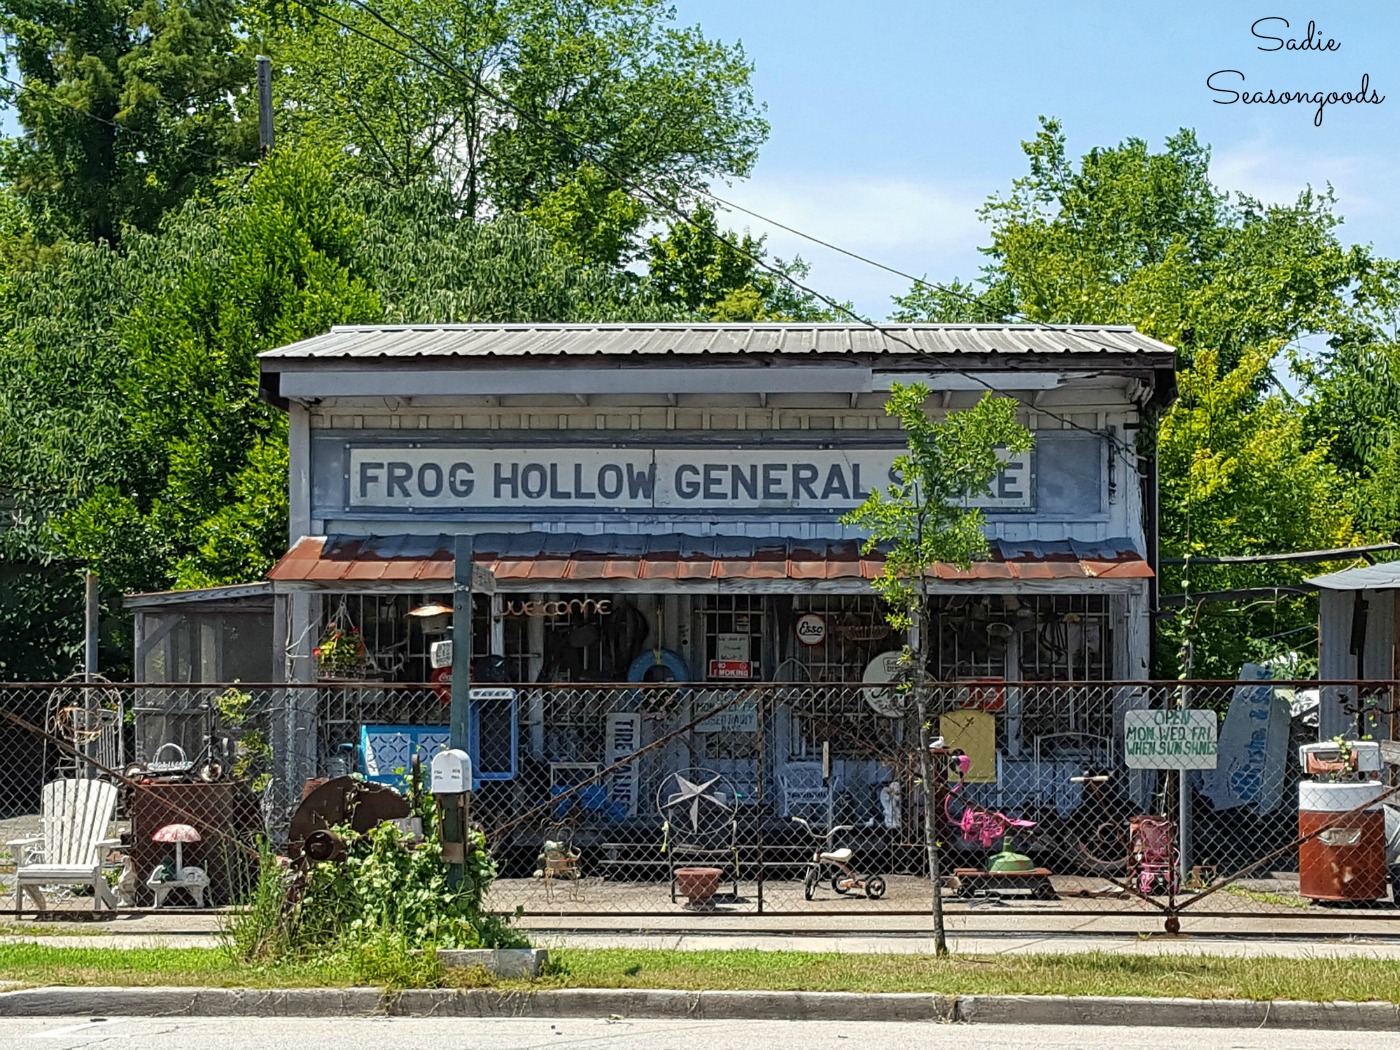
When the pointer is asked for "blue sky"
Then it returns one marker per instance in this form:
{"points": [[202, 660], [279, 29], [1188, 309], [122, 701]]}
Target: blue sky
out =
{"points": [[893, 121]]}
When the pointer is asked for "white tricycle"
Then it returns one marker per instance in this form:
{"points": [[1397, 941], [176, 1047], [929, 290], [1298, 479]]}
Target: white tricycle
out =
{"points": [[844, 878]]}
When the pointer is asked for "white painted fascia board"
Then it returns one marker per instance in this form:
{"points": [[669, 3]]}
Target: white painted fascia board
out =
{"points": [[957, 381], [399, 382]]}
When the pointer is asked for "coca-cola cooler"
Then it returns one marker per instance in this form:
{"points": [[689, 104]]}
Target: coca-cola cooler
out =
{"points": [[1341, 822]]}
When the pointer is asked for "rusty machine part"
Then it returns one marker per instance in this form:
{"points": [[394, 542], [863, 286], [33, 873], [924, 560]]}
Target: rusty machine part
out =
{"points": [[322, 844], [343, 800]]}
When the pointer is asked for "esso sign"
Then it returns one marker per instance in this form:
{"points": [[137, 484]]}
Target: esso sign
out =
{"points": [[811, 629]]}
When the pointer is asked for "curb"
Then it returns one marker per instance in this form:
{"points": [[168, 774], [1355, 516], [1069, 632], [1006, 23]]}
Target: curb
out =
{"points": [[1178, 1013], [748, 1006]]}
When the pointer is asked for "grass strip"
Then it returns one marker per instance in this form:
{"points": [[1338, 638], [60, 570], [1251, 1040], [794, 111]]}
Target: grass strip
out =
{"points": [[1196, 976]]}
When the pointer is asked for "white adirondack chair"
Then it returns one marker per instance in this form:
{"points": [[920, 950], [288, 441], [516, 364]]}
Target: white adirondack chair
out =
{"points": [[75, 818]]}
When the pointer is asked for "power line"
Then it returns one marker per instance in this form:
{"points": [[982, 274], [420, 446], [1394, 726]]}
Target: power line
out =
{"points": [[20, 86], [957, 293], [445, 65], [76, 108]]}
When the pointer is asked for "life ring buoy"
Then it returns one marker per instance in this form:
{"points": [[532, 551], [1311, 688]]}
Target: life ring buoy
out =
{"points": [[658, 665]]}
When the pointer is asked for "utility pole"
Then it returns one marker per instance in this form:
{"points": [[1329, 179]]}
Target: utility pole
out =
{"points": [[264, 106]]}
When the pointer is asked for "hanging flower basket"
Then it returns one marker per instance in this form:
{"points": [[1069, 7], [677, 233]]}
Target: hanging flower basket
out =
{"points": [[341, 653]]}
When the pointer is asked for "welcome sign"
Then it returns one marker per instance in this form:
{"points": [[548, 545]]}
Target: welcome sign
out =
{"points": [[667, 479]]}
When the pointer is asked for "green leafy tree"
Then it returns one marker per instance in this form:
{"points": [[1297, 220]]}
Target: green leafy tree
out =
{"points": [[956, 302], [718, 275], [923, 519], [429, 264], [128, 107], [1353, 404], [1128, 235], [1241, 474], [132, 437], [548, 108]]}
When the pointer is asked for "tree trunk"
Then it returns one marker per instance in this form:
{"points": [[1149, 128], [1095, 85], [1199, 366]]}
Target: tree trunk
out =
{"points": [[928, 769]]}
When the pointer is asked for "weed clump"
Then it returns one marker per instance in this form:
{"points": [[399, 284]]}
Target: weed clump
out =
{"points": [[377, 915]]}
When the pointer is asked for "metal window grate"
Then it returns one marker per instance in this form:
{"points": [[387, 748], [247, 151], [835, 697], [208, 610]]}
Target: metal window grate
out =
{"points": [[734, 636]]}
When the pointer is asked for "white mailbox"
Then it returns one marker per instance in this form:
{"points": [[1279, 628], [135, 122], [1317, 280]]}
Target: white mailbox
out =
{"points": [[451, 772]]}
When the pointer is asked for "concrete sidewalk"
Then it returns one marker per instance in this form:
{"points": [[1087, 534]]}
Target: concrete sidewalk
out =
{"points": [[990, 934]]}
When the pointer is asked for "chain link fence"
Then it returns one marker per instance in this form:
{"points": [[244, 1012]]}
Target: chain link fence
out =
{"points": [[642, 800]]}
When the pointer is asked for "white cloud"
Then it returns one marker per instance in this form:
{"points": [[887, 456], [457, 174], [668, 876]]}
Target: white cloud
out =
{"points": [[1277, 176], [921, 228]]}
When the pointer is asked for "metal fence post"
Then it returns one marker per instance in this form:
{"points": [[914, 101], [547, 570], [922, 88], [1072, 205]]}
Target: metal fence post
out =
{"points": [[1183, 812], [758, 801]]}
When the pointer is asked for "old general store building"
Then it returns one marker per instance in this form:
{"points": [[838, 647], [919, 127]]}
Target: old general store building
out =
{"points": [[670, 496]]}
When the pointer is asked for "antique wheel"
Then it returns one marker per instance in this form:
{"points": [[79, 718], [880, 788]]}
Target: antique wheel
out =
{"points": [[1102, 848], [809, 885], [838, 883], [875, 887]]}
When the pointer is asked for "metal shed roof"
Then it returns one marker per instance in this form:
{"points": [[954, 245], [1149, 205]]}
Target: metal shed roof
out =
{"points": [[716, 340], [553, 559], [1383, 576]]}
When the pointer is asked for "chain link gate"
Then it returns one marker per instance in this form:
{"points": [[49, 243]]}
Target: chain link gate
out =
{"points": [[661, 800]]}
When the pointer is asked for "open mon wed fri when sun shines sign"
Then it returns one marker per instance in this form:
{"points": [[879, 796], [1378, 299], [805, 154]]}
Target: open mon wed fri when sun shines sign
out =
{"points": [[1170, 739]]}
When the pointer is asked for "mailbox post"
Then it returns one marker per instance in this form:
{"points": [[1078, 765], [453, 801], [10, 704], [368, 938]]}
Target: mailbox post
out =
{"points": [[450, 781], [454, 824]]}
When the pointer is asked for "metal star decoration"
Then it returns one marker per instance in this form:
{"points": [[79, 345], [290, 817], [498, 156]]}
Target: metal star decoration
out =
{"points": [[694, 794]]}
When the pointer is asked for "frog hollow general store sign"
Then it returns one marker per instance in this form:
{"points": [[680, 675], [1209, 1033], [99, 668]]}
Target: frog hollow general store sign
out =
{"points": [[654, 479]]}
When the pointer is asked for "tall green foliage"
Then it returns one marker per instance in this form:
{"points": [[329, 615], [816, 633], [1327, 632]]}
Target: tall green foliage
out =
{"points": [[597, 93], [1129, 236], [1354, 406], [1126, 235], [128, 107], [217, 286], [723, 276], [1242, 474]]}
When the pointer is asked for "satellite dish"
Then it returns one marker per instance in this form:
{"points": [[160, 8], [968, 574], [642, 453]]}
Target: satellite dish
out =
{"points": [[698, 804], [886, 669]]}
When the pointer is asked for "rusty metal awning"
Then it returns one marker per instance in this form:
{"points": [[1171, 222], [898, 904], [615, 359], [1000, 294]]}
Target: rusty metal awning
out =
{"points": [[533, 561]]}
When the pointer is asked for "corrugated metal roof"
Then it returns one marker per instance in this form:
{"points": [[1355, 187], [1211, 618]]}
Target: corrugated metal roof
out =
{"points": [[225, 592], [567, 558], [716, 340], [1382, 576]]}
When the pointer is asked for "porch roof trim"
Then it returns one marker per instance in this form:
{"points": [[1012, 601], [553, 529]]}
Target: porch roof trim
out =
{"points": [[540, 561]]}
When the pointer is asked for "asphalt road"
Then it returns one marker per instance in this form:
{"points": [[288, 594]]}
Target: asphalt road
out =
{"points": [[149, 1033]]}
